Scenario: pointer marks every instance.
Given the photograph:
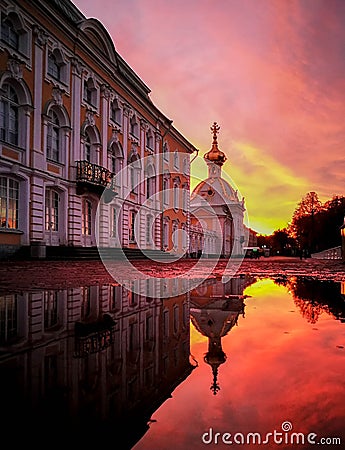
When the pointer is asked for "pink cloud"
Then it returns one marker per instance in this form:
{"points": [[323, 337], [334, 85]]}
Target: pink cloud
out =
{"points": [[271, 74]]}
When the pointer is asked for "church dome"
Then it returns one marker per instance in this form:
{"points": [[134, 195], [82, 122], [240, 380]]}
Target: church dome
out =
{"points": [[215, 155], [215, 191]]}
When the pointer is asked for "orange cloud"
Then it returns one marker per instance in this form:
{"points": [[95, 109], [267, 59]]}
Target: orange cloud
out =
{"points": [[270, 73]]}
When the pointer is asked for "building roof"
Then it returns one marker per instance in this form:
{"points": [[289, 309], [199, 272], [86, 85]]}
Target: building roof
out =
{"points": [[215, 191]]}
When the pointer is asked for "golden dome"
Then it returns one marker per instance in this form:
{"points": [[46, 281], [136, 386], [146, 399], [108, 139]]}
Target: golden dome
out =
{"points": [[215, 155]]}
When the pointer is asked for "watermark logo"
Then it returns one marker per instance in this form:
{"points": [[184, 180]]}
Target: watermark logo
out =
{"points": [[155, 217], [276, 437]]}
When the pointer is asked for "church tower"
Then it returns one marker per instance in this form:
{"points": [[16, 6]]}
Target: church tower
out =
{"points": [[215, 158], [218, 207]]}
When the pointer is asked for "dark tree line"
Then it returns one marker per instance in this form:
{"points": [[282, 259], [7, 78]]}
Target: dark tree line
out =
{"points": [[315, 226]]}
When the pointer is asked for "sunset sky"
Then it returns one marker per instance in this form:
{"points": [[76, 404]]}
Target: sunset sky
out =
{"points": [[270, 72]]}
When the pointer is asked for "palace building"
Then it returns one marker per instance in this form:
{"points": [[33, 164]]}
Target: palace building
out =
{"points": [[77, 125]]}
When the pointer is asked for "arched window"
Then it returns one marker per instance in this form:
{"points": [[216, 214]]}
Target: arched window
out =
{"points": [[9, 34], [90, 92], [116, 112], [9, 203], [149, 140], [54, 68], [9, 110], [134, 127], [90, 143], [53, 137], [116, 158], [14, 33]]}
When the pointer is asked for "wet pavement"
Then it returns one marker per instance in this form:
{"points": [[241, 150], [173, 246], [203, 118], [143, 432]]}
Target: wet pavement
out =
{"points": [[248, 360], [63, 274]]}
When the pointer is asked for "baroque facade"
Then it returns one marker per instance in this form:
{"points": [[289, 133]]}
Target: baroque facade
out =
{"points": [[77, 126]]}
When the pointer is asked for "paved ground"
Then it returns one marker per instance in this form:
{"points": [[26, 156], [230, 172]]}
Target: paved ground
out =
{"points": [[63, 274]]}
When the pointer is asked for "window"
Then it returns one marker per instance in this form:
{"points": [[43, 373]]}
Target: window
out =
{"points": [[185, 314], [54, 68], [150, 185], [134, 127], [176, 319], [13, 33], [50, 309], [115, 298], [131, 228], [114, 222], [185, 166], [149, 328], [176, 162], [185, 195], [87, 148], [165, 234], [149, 140], [52, 210], [175, 234], [53, 137], [9, 109], [176, 194], [134, 180], [115, 112], [166, 323], [116, 165], [149, 230], [9, 34], [165, 191], [85, 302], [87, 218], [165, 151], [90, 92], [9, 199], [8, 318]]}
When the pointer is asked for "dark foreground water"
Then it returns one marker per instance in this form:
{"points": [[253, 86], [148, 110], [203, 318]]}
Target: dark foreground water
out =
{"points": [[254, 362]]}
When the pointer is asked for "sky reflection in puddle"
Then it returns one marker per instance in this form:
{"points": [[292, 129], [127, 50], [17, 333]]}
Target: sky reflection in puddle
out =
{"points": [[284, 362], [258, 353]]}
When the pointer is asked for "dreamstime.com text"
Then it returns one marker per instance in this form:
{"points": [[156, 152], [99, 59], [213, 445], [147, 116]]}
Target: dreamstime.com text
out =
{"points": [[283, 436]]}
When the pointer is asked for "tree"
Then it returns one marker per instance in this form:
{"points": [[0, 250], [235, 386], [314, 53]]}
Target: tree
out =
{"points": [[304, 222], [316, 227]]}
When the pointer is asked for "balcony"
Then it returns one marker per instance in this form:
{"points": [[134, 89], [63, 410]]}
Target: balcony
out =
{"points": [[94, 178]]}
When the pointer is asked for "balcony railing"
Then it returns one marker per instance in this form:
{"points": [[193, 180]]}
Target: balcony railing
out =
{"points": [[93, 174]]}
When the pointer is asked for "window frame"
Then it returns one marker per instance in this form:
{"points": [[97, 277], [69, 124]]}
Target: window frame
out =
{"points": [[9, 102], [7, 200]]}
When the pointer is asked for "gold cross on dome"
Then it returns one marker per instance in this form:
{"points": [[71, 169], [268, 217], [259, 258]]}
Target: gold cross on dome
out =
{"points": [[215, 129]]}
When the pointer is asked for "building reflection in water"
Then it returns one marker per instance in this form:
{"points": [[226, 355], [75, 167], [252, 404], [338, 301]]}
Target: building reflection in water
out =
{"points": [[215, 308], [314, 297], [91, 360]]}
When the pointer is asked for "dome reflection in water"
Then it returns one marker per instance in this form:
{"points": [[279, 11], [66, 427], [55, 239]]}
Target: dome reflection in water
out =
{"points": [[106, 363]]}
